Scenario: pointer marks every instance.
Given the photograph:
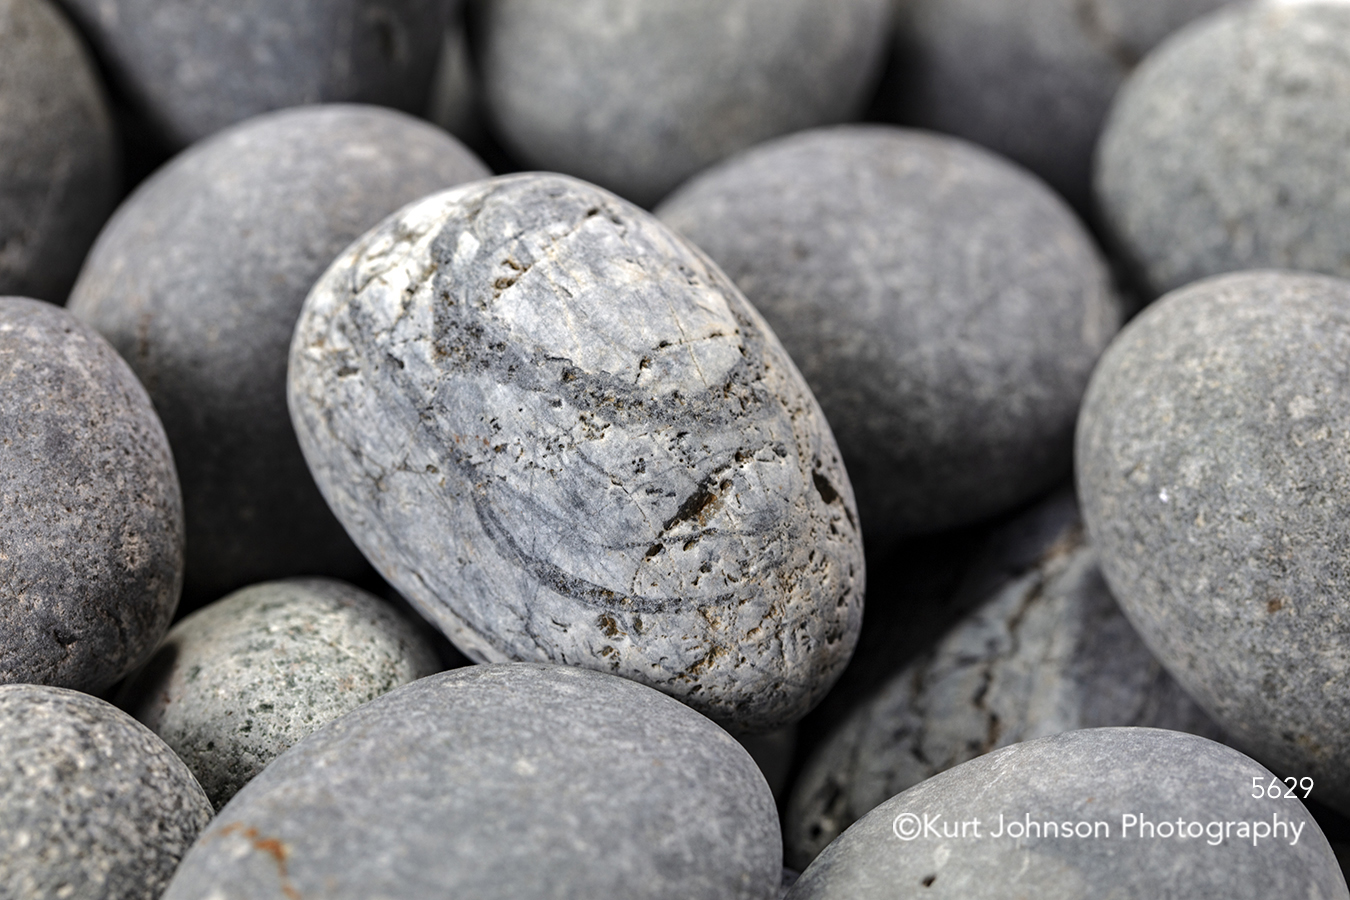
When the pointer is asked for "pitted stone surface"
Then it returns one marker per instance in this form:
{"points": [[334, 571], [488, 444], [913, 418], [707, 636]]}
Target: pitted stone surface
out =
{"points": [[197, 281], [1048, 652], [638, 95], [238, 682], [1226, 148], [1214, 468], [58, 159], [500, 782], [564, 434], [1094, 775], [945, 308], [91, 803], [91, 521]]}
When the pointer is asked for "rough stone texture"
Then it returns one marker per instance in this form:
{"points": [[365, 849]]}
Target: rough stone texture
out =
{"points": [[91, 803], [1213, 467], [58, 160], [239, 682], [1226, 149], [1099, 774], [502, 781], [560, 431], [945, 308], [198, 280], [193, 67], [1030, 79], [91, 534], [1048, 652], [637, 95]]}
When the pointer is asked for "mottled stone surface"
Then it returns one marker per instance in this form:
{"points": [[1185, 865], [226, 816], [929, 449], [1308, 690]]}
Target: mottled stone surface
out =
{"points": [[563, 433], [241, 681], [58, 160], [501, 781], [637, 95], [193, 67], [1049, 651], [1091, 776], [1226, 149], [91, 803], [197, 281], [945, 307], [1030, 79], [91, 535], [1214, 469]]}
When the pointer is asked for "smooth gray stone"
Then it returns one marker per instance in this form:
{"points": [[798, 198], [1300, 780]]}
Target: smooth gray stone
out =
{"points": [[193, 67], [1030, 79], [58, 159], [564, 435], [92, 805], [91, 519], [1047, 652], [198, 280], [1226, 149], [503, 781], [638, 95], [1091, 776], [239, 682], [945, 307], [1213, 474]]}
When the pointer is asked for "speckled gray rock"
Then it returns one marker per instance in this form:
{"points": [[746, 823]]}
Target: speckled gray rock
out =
{"points": [[503, 781], [91, 803], [1099, 775], [198, 280], [193, 67], [1226, 149], [637, 95], [1213, 470], [1048, 652], [239, 682], [58, 161], [1029, 79], [945, 307], [91, 535], [561, 432]]}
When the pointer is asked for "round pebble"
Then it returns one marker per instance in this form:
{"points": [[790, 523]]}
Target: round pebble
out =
{"points": [[561, 432], [91, 536], [197, 281], [1226, 149], [637, 95], [59, 178], [945, 307], [91, 803], [1088, 782], [1047, 652], [502, 781], [1213, 469], [238, 682], [193, 67]]}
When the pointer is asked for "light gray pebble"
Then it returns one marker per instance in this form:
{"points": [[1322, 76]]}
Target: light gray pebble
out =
{"points": [[1226, 149], [197, 281], [637, 95], [92, 805], [500, 781], [945, 307], [91, 520], [1213, 468], [58, 157], [1049, 651], [1098, 775], [564, 435], [239, 682]]}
